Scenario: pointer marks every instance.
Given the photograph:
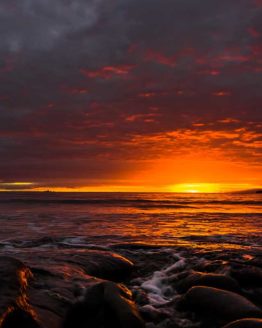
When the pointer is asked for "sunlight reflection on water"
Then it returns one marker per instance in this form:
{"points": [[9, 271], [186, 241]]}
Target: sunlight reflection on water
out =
{"points": [[216, 220]]}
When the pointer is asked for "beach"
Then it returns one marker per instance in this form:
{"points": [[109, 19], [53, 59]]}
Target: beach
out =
{"points": [[140, 259]]}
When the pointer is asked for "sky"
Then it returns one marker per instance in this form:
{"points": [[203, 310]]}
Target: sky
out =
{"points": [[130, 95]]}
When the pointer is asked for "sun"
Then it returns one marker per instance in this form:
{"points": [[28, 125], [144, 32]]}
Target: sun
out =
{"points": [[194, 191], [194, 188]]}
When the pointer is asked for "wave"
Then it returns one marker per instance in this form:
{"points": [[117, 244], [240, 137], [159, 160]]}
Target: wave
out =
{"points": [[133, 202]]}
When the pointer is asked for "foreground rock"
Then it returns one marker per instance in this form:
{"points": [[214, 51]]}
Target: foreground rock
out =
{"points": [[14, 308], [104, 265], [207, 279], [245, 323], [104, 305], [219, 304], [101, 264], [19, 318], [38, 293]]}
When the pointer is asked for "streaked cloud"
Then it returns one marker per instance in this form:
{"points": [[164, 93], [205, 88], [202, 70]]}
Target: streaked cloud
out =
{"points": [[103, 90]]}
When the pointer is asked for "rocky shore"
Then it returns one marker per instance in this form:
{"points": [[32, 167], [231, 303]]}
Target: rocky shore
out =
{"points": [[145, 286]]}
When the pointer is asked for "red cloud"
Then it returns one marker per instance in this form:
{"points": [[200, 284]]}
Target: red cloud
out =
{"points": [[107, 72], [147, 118], [253, 32], [221, 93], [74, 91], [160, 58], [212, 72], [258, 3], [147, 94]]}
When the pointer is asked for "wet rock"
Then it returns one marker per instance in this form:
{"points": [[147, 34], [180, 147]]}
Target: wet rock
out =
{"points": [[51, 295], [88, 312], [19, 318], [49, 305], [120, 300], [212, 266], [148, 262], [247, 276], [245, 323], [97, 263], [257, 296], [219, 303], [104, 305], [256, 261], [106, 265], [140, 297], [254, 295], [13, 281], [207, 279], [101, 264], [32, 301], [14, 308], [152, 314]]}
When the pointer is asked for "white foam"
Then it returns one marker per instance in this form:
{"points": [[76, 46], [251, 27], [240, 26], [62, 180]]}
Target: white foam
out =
{"points": [[158, 289], [179, 265], [155, 288], [80, 242]]}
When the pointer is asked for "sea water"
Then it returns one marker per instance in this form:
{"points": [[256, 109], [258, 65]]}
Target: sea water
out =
{"points": [[168, 219]]}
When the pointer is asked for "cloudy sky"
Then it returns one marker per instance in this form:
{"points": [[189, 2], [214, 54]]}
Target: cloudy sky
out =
{"points": [[130, 93]]}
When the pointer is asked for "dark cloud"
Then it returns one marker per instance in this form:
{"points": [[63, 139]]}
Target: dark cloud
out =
{"points": [[90, 88]]}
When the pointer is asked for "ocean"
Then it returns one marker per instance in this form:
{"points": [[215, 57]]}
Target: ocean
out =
{"points": [[164, 234], [106, 219]]}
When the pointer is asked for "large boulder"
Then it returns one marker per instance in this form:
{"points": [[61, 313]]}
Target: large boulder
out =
{"points": [[119, 299], [219, 303], [104, 265], [30, 300], [104, 305], [101, 264], [39, 293], [245, 323], [206, 279]]}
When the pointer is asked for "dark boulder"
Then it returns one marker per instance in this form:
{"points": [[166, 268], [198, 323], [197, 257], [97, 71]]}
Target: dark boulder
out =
{"points": [[104, 305], [219, 303], [97, 263], [107, 265], [101, 264], [245, 323], [42, 298], [206, 279], [119, 299]]}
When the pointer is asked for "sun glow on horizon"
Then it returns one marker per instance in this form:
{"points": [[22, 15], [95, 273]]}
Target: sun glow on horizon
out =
{"points": [[195, 188], [190, 188]]}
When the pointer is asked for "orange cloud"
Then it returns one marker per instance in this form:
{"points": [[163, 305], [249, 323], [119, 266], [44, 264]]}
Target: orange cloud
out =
{"points": [[228, 121], [148, 118]]}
